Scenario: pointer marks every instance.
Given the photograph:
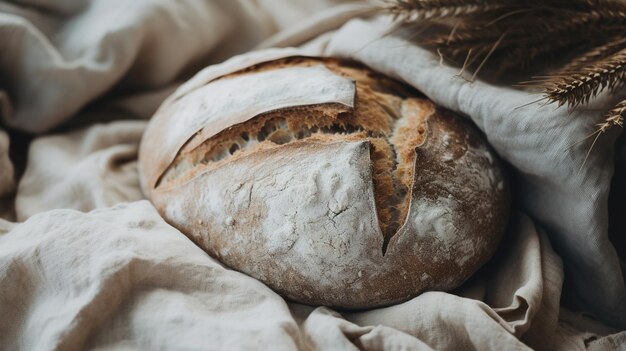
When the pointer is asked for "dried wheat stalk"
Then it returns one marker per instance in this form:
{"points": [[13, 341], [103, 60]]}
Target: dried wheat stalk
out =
{"points": [[615, 117], [577, 86], [412, 10], [605, 49], [514, 35]]}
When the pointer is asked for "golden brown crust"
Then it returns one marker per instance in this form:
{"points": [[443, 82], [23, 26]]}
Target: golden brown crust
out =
{"points": [[345, 206], [380, 103]]}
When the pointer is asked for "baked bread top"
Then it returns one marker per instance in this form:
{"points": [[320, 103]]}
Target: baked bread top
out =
{"points": [[329, 182]]}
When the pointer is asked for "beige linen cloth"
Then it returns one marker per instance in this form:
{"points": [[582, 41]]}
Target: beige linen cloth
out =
{"points": [[88, 264]]}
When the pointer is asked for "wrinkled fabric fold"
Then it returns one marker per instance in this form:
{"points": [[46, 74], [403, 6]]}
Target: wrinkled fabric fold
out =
{"points": [[96, 46], [123, 277], [82, 170]]}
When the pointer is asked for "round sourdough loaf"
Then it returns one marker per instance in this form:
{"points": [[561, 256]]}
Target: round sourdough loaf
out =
{"points": [[331, 183]]}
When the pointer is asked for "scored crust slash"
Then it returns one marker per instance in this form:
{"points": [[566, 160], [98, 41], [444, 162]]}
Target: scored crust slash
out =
{"points": [[329, 182]]}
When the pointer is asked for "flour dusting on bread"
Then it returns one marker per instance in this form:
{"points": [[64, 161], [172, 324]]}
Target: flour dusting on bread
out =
{"points": [[327, 181]]}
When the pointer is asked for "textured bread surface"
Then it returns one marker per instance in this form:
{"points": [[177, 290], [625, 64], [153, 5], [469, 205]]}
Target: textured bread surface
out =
{"points": [[349, 206]]}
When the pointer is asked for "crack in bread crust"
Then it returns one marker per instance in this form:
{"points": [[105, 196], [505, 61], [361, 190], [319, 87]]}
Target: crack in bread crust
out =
{"points": [[302, 209], [385, 114]]}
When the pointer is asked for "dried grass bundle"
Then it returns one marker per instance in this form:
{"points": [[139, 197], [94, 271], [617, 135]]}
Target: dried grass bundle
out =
{"points": [[586, 38]]}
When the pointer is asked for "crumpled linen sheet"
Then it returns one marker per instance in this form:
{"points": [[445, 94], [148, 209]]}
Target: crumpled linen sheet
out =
{"points": [[88, 264]]}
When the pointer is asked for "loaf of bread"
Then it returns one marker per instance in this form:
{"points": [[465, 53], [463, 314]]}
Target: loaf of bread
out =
{"points": [[330, 183]]}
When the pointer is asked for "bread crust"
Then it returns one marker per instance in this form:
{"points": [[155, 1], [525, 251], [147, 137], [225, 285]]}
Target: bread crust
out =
{"points": [[347, 205]]}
